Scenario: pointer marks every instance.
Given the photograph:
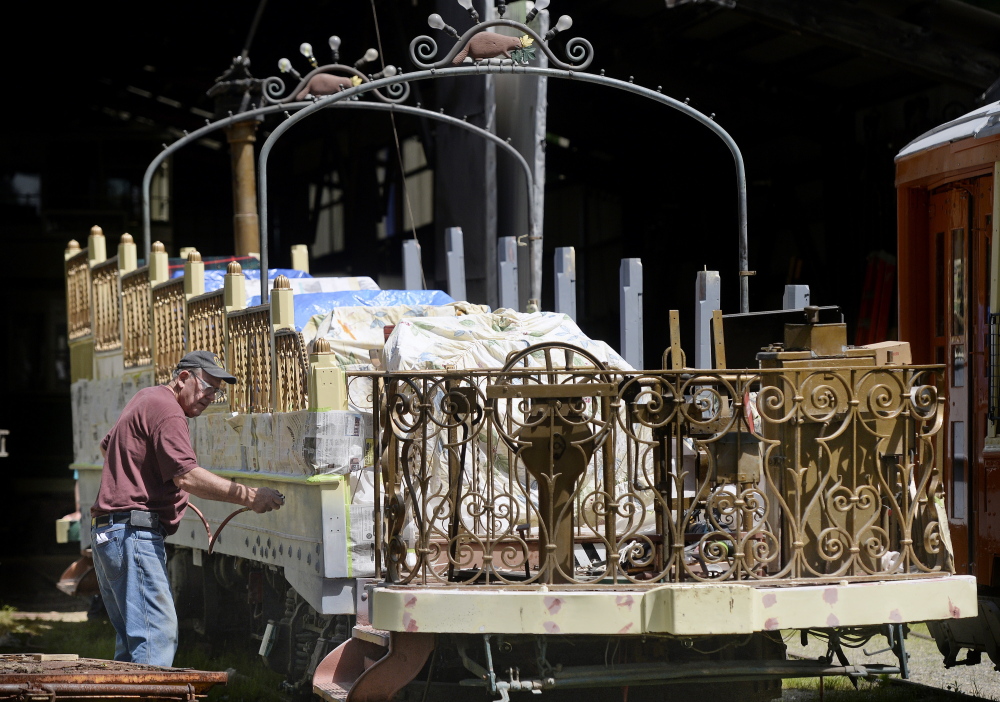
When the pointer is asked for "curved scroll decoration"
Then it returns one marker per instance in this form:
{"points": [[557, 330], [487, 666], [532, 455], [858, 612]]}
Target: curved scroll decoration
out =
{"points": [[329, 79], [579, 51], [506, 476]]}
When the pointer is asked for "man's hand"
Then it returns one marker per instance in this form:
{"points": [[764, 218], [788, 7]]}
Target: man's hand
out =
{"points": [[264, 499]]}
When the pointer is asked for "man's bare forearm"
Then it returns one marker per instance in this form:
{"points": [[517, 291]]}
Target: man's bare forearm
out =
{"points": [[209, 486]]}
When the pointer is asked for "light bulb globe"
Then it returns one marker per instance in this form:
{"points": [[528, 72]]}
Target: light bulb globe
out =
{"points": [[370, 55], [306, 49], [564, 23], [435, 21], [284, 65], [334, 42]]}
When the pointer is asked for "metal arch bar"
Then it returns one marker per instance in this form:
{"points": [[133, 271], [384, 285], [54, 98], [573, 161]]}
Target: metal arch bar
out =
{"points": [[429, 114], [147, 179], [741, 185]]}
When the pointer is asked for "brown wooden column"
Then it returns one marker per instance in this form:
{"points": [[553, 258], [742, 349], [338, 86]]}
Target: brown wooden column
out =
{"points": [[246, 227]]}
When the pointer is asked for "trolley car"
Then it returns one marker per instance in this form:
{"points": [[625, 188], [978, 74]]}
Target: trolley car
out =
{"points": [[948, 301], [470, 511]]}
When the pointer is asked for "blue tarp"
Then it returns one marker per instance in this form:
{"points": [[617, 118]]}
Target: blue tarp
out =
{"points": [[215, 279], [309, 304]]}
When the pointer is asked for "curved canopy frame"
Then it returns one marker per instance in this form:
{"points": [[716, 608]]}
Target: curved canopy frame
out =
{"points": [[387, 107], [506, 68], [194, 136], [290, 107]]}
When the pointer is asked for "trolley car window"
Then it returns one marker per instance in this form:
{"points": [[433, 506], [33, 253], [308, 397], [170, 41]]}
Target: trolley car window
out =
{"points": [[993, 368], [958, 282], [958, 493], [939, 285], [958, 366]]}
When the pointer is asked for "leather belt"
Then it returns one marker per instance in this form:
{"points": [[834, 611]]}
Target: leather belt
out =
{"points": [[138, 518]]}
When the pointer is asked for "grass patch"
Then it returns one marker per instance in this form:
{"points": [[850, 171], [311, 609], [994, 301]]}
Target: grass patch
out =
{"points": [[12, 628], [96, 639]]}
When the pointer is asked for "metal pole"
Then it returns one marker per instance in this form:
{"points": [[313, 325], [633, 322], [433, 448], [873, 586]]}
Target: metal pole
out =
{"points": [[413, 274], [631, 310], [565, 288], [455, 262], [507, 263], [708, 298]]}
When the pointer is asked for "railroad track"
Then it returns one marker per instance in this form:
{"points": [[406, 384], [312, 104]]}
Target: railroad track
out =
{"points": [[921, 691]]}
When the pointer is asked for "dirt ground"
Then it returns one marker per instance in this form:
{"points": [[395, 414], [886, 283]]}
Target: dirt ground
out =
{"points": [[28, 585]]}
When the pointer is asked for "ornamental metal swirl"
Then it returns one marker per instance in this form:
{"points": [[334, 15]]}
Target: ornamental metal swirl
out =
{"points": [[812, 475], [579, 51], [273, 87]]}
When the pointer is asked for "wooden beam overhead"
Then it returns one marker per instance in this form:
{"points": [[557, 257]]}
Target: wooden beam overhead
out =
{"points": [[873, 34]]}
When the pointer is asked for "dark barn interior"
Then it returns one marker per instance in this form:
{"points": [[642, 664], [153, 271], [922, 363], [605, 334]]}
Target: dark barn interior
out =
{"points": [[819, 96]]}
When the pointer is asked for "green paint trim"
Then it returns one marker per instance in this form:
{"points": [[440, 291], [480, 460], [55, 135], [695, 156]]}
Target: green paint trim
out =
{"points": [[85, 466], [279, 478], [347, 530], [326, 478]]}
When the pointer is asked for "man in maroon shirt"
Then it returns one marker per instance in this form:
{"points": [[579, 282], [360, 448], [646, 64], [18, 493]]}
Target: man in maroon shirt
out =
{"points": [[149, 471]]}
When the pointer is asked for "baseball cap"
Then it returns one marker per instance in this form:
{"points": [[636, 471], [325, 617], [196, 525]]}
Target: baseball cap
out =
{"points": [[208, 362]]}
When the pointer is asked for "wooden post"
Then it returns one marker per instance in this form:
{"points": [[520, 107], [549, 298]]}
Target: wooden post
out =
{"points": [[720, 340], [282, 304], [246, 227], [194, 275], [327, 386], [300, 258], [128, 257], [97, 251], [235, 288], [72, 249], [159, 265]]}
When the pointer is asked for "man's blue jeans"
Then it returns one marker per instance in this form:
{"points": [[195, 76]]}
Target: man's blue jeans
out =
{"points": [[131, 567]]}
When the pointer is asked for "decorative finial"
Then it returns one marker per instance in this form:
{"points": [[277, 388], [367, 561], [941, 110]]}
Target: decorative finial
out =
{"points": [[158, 247], [96, 231], [194, 256], [73, 245], [127, 239], [234, 268], [321, 345], [282, 283]]}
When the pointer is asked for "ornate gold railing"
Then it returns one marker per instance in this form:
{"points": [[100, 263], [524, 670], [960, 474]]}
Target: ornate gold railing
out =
{"points": [[135, 318], [168, 327], [206, 327], [591, 476], [292, 371], [206, 317], [250, 359], [107, 306], [78, 295]]}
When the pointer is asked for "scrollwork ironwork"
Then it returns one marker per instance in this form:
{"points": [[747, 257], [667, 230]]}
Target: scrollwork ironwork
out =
{"points": [[680, 479], [579, 51]]}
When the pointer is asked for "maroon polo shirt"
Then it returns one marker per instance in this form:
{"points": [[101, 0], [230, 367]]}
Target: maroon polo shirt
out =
{"points": [[146, 449]]}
